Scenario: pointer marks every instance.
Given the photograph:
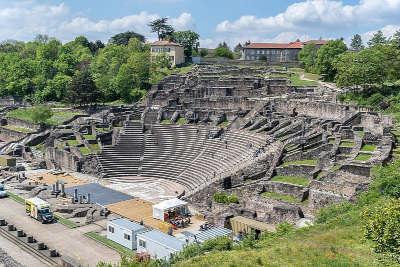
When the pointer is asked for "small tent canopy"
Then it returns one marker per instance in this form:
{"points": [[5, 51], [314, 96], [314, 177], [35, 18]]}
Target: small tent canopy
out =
{"points": [[168, 205]]}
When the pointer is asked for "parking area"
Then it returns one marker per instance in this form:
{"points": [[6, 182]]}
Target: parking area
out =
{"points": [[70, 242]]}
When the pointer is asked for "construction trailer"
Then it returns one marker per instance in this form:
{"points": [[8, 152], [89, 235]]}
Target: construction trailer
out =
{"points": [[124, 232], [203, 235], [39, 209], [243, 225], [158, 245], [7, 161]]}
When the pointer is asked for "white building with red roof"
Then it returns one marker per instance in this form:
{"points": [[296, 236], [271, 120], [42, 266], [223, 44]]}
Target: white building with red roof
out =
{"points": [[276, 52], [174, 51]]}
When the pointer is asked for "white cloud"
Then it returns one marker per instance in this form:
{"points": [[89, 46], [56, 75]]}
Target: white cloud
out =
{"points": [[23, 20], [185, 21], [387, 31], [316, 14]]}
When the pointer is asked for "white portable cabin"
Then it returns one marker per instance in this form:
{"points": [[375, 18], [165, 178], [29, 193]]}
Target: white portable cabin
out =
{"points": [[161, 208], [158, 245], [124, 232]]}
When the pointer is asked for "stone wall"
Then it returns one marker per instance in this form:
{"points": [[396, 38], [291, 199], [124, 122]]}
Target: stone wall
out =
{"points": [[296, 170], [63, 159]]}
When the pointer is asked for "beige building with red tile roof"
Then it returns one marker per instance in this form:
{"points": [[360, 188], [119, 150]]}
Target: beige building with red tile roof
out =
{"points": [[174, 51], [276, 52]]}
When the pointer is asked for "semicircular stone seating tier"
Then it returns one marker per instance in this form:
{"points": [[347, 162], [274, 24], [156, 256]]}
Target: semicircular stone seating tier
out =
{"points": [[182, 154]]}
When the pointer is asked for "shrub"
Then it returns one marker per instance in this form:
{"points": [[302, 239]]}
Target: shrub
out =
{"points": [[382, 226], [224, 198]]}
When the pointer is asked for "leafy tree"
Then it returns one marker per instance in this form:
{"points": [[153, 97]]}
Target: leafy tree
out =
{"points": [[124, 37], [356, 43], [162, 28], [96, 46], [223, 45], [42, 38], [189, 40], [326, 56], [382, 226], [223, 51], [82, 89], [307, 57], [396, 39], [238, 48], [377, 39], [41, 114], [203, 52]]}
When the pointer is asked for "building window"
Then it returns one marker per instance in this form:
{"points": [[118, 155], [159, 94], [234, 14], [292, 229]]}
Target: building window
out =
{"points": [[142, 243], [127, 237], [111, 229]]}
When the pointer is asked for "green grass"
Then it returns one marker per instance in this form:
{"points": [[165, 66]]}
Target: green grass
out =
{"points": [[166, 122], [312, 162], [109, 243], [347, 144], [181, 121], [277, 75], [363, 157], [85, 151], [335, 167], [61, 116], [73, 142], [16, 198], [360, 134], [368, 148], [68, 223], [312, 76], [280, 197], [18, 129], [224, 124], [89, 136], [296, 180], [58, 117], [296, 81]]}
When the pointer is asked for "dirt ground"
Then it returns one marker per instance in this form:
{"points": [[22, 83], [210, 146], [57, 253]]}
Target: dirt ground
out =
{"points": [[51, 178], [70, 242]]}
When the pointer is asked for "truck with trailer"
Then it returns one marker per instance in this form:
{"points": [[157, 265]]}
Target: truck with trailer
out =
{"points": [[39, 209]]}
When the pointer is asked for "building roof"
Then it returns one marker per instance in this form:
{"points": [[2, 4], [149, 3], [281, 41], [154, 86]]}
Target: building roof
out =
{"points": [[165, 43], [211, 233], [291, 45], [169, 204], [127, 224], [163, 239], [262, 226]]}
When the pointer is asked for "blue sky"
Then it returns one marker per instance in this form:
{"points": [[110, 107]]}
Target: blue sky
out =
{"points": [[232, 21]]}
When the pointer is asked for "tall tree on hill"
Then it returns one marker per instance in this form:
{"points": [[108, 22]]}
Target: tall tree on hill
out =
{"points": [[356, 43], [162, 28], [189, 40], [307, 57], [238, 48], [377, 39], [396, 39], [82, 89], [124, 37], [326, 56]]}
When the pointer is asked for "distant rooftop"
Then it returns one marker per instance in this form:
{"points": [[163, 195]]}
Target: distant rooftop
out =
{"points": [[291, 45], [165, 43]]}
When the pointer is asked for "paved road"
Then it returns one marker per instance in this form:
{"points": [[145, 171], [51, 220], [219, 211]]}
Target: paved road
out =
{"points": [[69, 242]]}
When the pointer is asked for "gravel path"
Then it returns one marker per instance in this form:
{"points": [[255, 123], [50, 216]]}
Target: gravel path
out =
{"points": [[7, 261]]}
